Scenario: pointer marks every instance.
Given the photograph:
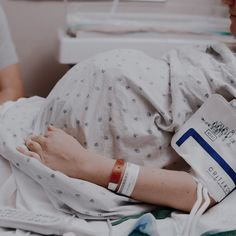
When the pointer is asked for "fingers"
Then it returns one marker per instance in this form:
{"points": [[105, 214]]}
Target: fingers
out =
{"points": [[35, 143], [52, 128], [28, 153], [33, 146], [39, 139]]}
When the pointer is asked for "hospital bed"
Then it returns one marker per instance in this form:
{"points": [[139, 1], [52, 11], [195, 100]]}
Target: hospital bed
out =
{"points": [[76, 45], [75, 48]]}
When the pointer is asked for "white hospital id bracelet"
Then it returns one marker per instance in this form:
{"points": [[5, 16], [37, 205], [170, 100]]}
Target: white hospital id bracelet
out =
{"points": [[129, 179]]}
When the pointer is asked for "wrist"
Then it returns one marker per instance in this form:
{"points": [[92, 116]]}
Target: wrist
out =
{"points": [[96, 169], [116, 175]]}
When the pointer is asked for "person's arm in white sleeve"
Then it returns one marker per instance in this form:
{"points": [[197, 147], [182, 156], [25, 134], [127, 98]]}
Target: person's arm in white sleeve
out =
{"points": [[11, 86]]}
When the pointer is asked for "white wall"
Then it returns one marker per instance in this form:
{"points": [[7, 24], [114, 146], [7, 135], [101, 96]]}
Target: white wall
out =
{"points": [[34, 26]]}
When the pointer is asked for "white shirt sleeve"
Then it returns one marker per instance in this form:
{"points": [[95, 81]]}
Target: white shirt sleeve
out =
{"points": [[8, 54]]}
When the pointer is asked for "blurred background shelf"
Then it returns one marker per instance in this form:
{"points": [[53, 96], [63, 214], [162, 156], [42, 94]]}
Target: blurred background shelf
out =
{"points": [[86, 33]]}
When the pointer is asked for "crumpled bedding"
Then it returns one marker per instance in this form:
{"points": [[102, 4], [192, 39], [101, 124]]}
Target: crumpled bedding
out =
{"points": [[121, 103]]}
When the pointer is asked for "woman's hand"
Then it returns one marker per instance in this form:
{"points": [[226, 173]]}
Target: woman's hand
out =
{"points": [[59, 151]]}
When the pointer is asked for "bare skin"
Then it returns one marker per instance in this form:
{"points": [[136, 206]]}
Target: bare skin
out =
{"points": [[11, 87], [60, 151]]}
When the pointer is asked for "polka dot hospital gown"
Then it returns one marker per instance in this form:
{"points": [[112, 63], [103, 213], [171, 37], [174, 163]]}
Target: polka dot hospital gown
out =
{"points": [[122, 104]]}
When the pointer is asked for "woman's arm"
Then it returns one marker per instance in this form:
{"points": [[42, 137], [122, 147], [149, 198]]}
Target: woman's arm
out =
{"points": [[60, 151]]}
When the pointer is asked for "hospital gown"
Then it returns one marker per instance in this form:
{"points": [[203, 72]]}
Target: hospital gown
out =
{"points": [[121, 104]]}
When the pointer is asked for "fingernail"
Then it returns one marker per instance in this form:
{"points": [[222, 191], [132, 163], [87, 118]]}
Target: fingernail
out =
{"points": [[18, 148], [30, 143]]}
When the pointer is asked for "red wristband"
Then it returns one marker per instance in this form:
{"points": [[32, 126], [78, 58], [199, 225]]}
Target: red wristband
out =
{"points": [[116, 174]]}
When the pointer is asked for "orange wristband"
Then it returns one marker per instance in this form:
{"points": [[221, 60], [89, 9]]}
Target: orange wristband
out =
{"points": [[116, 174]]}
